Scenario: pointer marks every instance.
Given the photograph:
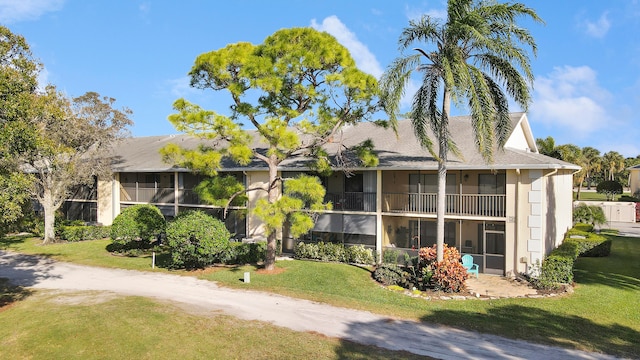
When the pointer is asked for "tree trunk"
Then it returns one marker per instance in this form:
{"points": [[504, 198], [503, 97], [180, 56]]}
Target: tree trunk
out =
{"points": [[270, 260], [49, 217], [443, 150]]}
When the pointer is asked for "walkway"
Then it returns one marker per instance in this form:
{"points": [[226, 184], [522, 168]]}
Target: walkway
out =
{"points": [[301, 315]]}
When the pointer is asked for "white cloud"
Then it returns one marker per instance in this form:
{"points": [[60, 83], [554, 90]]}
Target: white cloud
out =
{"points": [[181, 88], [364, 58], [13, 11], [599, 28], [413, 13], [570, 97]]}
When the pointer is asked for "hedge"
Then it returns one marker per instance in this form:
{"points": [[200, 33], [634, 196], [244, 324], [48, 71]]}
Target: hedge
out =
{"points": [[557, 268], [322, 251], [83, 232]]}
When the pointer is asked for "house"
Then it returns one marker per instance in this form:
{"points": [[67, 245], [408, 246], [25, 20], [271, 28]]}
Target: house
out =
{"points": [[508, 214]]}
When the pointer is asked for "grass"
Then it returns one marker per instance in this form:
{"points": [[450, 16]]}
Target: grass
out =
{"points": [[80, 326], [603, 315], [594, 196]]}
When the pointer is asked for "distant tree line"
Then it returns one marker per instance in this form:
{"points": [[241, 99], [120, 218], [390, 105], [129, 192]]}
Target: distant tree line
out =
{"points": [[596, 167]]}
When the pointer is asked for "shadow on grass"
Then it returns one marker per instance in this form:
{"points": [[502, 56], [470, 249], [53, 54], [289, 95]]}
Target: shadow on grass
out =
{"points": [[10, 294], [8, 242], [541, 326]]}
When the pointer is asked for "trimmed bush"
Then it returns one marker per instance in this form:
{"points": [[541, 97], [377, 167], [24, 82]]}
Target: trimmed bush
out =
{"points": [[610, 188], [333, 252], [392, 274], [136, 226], [245, 253], [82, 233], [196, 240], [557, 268], [359, 254]]}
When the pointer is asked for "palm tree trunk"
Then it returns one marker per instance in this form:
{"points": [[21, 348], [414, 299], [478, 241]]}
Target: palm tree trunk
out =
{"points": [[443, 145]]}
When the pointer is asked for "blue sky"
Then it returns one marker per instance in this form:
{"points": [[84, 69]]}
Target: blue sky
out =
{"points": [[139, 52]]}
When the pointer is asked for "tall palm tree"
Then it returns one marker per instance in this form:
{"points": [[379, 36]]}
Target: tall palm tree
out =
{"points": [[592, 163], [476, 56], [547, 146], [613, 162]]}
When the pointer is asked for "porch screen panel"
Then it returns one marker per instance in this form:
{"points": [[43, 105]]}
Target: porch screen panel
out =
{"points": [[331, 223], [369, 181], [360, 224]]}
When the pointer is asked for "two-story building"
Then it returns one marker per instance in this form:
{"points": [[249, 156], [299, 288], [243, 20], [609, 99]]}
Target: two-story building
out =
{"points": [[507, 214]]}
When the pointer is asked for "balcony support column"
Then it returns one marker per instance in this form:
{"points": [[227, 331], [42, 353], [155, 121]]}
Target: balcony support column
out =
{"points": [[176, 193], [379, 214]]}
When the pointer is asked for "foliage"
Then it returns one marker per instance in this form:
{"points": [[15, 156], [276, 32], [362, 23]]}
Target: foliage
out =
{"points": [[83, 232], [14, 199], [244, 253], [392, 274], [447, 275], [196, 240], [18, 81], [610, 188], [298, 83], [589, 214], [478, 60], [301, 193], [557, 268], [137, 226], [359, 254], [322, 251], [74, 138], [217, 189]]}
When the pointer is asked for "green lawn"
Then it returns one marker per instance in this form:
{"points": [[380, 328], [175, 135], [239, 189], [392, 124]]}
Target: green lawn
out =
{"points": [[594, 196], [603, 314]]}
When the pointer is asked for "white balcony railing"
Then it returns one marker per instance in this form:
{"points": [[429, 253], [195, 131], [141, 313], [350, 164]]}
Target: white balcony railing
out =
{"points": [[455, 204]]}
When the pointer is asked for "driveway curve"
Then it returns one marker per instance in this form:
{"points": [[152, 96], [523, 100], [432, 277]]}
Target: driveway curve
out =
{"points": [[301, 315]]}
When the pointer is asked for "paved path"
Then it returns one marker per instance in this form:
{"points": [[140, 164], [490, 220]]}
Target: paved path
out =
{"points": [[300, 315]]}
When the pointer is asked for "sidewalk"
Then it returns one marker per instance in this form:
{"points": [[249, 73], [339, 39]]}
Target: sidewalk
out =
{"points": [[301, 315]]}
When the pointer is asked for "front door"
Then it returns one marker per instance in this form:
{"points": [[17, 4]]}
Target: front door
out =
{"points": [[494, 250]]}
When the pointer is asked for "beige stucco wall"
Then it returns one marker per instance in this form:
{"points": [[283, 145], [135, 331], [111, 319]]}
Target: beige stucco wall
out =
{"points": [[105, 201], [559, 215], [614, 210], [255, 227]]}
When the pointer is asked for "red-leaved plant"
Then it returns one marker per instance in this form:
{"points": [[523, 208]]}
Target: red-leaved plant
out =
{"points": [[447, 275]]}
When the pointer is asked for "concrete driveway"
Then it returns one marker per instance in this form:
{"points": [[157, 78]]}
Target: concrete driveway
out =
{"points": [[301, 315]]}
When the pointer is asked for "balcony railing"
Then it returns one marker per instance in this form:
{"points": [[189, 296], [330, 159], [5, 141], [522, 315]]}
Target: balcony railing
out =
{"points": [[455, 204], [352, 201], [147, 195]]}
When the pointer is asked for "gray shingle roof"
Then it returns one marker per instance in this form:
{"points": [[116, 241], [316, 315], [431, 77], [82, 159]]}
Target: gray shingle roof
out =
{"points": [[401, 152]]}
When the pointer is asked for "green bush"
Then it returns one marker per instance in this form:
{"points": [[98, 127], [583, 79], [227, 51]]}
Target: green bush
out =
{"points": [[610, 188], [359, 254], [390, 256], [582, 227], [81, 233], [196, 240], [589, 214], [245, 253], [137, 226], [392, 274], [557, 268], [334, 252]]}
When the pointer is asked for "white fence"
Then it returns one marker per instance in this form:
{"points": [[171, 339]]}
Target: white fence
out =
{"points": [[614, 211]]}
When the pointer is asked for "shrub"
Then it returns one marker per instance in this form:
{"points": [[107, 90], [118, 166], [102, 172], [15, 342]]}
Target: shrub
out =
{"points": [[196, 240], [136, 226], [610, 188], [245, 253], [447, 275], [589, 214], [81, 233], [390, 256], [392, 274], [358, 254]]}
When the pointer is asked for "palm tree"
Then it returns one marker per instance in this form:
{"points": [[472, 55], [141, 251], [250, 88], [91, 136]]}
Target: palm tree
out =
{"points": [[592, 164], [612, 162], [476, 56], [547, 146]]}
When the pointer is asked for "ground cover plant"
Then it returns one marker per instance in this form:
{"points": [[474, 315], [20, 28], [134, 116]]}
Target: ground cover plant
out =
{"points": [[599, 316]]}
